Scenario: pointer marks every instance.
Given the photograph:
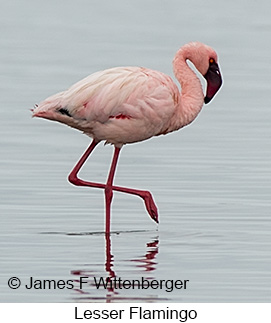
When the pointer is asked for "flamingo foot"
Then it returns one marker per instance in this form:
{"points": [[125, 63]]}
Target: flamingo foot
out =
{"points": [[150, 205]]}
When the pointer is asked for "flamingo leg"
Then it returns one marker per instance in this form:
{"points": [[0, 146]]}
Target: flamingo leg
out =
{"points": [[109, 189], [145, 195], [73, 178]]}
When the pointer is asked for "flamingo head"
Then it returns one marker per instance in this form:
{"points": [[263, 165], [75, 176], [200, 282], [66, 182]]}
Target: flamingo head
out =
{"points": [[205, 60]]}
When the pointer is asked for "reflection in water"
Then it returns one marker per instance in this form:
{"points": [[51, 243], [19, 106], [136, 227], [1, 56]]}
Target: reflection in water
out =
{"points": [[148, 260], [113, 284], [109, 261]]}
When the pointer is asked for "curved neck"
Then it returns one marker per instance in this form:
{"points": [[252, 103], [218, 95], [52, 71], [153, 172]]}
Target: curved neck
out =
{"points": [[192, 96]]}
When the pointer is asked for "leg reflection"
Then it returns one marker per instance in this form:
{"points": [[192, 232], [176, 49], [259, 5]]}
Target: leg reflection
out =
{"points": [[109, 263], [107, 280]]}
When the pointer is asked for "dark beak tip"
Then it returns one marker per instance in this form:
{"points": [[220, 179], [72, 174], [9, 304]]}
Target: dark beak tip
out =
{"points": [[207, 100]]}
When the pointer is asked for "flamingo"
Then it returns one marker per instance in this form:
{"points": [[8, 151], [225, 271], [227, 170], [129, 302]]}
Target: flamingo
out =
{"points": [[124, 105]]}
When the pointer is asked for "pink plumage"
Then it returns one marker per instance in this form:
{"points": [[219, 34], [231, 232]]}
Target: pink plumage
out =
{"points": [[129, 104]]}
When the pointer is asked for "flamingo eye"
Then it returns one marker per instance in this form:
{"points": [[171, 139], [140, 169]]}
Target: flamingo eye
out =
{"points": [[211, 60]]}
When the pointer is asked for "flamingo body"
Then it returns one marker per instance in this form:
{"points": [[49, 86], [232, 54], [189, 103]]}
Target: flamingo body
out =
{"points": [[129, 104], [120, 105]]}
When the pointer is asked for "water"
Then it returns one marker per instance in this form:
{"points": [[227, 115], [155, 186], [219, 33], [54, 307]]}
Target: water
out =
{"points": [[211, 181]]}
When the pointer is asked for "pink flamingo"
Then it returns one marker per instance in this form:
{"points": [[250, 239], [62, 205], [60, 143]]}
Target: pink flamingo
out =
{"points": [[129, 104]]}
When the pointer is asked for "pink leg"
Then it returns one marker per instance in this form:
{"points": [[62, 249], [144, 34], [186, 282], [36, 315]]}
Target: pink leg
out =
{"points": [[108, 189], [145, 195], [73, 175]]}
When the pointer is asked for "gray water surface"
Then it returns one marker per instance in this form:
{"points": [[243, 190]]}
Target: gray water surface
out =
{"points": [[211, 180]]}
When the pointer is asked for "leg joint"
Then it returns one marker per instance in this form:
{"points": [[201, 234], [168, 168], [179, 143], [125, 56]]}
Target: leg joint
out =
{"points": [[72, 178]]}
